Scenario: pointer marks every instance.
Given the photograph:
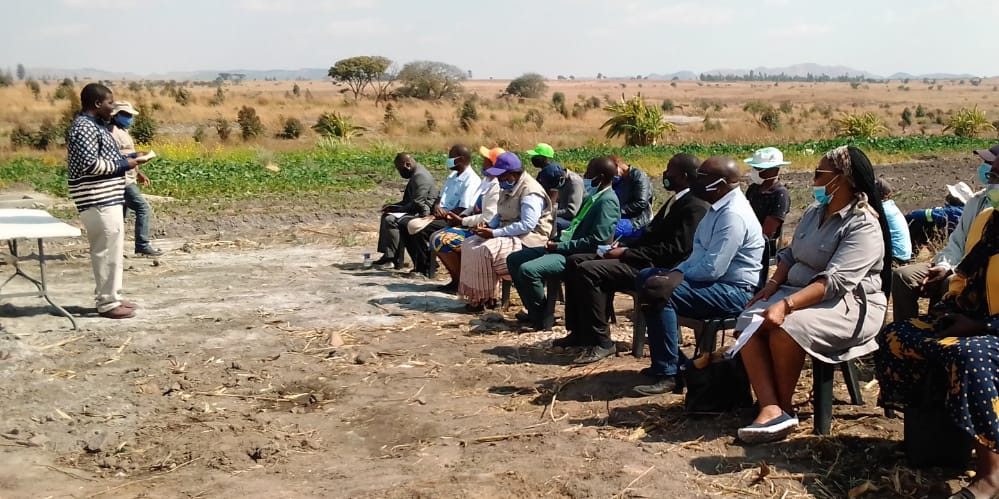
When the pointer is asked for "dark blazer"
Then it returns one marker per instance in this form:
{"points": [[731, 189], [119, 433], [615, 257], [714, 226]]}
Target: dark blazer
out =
{"points": [[420, 194], [635, 194], [595, 228], [669, 238]]}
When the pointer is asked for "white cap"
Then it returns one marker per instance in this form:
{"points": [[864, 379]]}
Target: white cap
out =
{"points": [[768, 157], [960, 191]]}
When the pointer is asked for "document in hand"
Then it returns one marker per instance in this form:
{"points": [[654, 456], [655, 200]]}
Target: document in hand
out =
{"points": [[747, 333]]}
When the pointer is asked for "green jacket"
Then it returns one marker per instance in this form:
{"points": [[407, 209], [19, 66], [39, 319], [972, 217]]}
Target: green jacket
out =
{"points": [[596, 226]]}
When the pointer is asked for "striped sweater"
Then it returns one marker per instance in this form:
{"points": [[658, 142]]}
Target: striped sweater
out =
{"points": [[96, 167]]}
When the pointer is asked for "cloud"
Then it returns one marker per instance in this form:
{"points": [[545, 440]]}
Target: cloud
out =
{"points": [[799, 31], [63, 31], [682, 14], [306, 5], [363, 27], [100, 4]]}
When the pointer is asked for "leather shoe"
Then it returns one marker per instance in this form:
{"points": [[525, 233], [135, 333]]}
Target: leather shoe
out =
{"points": [[595, 354], [149, 252], [666, 384], [523, 316], [119, 312]]}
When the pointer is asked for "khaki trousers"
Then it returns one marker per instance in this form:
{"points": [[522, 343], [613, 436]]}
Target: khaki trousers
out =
{"points": [[106, 233]]}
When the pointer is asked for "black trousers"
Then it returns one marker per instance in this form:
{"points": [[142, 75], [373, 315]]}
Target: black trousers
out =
{"points": [[590, 283], [418, 247]]}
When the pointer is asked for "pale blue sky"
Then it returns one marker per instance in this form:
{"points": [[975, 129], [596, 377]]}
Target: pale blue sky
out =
{"points": [[504, 38]]}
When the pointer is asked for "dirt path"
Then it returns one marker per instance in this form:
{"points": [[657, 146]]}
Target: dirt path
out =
{"points": [[233, 382]]}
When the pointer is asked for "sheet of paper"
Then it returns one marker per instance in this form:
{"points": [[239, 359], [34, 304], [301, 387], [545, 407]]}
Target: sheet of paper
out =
{"points": [[399, 214], [148, 156], [744, 336]]}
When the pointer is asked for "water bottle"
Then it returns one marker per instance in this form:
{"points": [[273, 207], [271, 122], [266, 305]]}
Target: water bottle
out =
{"points": [[367, 261]]}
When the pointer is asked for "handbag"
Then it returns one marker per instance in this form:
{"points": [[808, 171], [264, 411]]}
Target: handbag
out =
{"points": [[716, 384]]}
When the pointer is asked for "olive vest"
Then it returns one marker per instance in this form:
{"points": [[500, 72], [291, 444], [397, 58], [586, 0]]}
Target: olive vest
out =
{"points": [[508, 209]]}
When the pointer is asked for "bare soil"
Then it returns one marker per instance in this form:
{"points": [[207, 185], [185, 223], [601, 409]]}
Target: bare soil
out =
{"points": [[264, 363]]}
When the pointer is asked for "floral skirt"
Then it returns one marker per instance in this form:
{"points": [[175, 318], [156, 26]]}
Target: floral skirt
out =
{"points": [[908, 350]]}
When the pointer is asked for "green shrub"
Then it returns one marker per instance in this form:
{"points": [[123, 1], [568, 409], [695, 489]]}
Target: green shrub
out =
{"points": [[468, 114], [338, 126], [969, 122], [144, 129], [866, 125], [535, 116], [292, 129], [223, 128], [528, 85], [249, 123]]}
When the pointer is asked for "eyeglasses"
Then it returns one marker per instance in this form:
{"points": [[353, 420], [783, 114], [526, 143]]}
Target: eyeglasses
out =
{"points": [[992, 177]]}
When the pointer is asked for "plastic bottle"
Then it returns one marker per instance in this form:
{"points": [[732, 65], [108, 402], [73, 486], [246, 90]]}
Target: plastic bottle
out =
{"points": [[367, 261]]}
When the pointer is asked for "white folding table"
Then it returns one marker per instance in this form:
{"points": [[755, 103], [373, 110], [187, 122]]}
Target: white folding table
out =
{"points": [[38, 225]]}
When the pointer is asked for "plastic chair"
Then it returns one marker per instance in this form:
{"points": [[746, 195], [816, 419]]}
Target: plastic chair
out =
{"points": [[822, 397]]}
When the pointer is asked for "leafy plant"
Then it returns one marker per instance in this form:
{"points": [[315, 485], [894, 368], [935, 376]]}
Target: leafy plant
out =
{"points": [[528, 85], [765, 114], [249, 123], [223, 128], [535, 116], [339, 126], [864, 125], [143, 130], [468, 115], [969, 122], [199, 134], [639, 124], [64, 90], [218, 98], [183, 96], [292, 129]]}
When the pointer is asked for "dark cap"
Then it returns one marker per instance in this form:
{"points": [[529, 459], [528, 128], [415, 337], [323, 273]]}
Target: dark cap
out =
{"points": [[506, 162], [989, 155], [551, 176]]}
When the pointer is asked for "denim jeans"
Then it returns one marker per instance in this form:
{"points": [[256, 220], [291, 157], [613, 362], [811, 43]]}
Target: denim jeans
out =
{"points": [[135, 202], [697, 300]]}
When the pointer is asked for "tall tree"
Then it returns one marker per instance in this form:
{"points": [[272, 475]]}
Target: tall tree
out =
{"points": [[21, 72], [430, 80], [359, 72]]}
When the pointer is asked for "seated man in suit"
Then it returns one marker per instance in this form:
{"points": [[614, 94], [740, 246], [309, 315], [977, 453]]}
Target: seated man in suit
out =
{"points": [[417, 201], [717, 279], [592, 279], [592, 226]]}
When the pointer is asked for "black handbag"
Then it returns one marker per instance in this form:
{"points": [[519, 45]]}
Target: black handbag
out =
{"points": [[721, 385]]}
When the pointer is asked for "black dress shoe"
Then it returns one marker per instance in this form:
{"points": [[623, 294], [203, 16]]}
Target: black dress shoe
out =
{"points": [[595, 354], [568, 341], [523, 316], [149, 252], [666, 384], [649, 372], [382, 261]]}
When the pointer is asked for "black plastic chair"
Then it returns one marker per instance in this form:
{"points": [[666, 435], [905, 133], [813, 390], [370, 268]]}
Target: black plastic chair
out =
{"points": [[822, 396]]}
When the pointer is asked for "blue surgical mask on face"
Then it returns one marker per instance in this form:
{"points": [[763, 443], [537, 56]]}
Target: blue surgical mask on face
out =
{"points": [[666, 183], [124, 122], [591, 190], [450, 163], [507, 186], [983, 169], [820, 194]]}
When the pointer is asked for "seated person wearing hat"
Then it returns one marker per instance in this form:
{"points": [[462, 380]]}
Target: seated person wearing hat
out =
{"points": [[530, 268], [925, 280], [565, 187], [937, 223], [634, 192], [768, 197], [901, 244], [523, 219]]}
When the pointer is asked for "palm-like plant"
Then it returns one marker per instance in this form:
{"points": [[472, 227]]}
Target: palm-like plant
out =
{"points": [[640, 125], [340, 126], [969, 122], [864, 125]]}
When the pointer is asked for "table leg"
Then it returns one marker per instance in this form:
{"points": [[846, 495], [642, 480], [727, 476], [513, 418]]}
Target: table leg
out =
{"points": [[44, 288]]}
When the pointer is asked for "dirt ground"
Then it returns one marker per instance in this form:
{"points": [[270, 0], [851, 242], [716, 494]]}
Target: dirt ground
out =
{"points": [[264, 363]]}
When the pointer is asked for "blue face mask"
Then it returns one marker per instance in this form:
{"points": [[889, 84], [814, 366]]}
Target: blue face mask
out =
{"points": [[821, 195], [450, 164], [983, 169], [666, 183], [507, 186], [124, 122]]}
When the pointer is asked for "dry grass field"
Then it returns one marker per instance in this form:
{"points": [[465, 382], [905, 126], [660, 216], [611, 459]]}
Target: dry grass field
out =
{"points": [[806, 110]]}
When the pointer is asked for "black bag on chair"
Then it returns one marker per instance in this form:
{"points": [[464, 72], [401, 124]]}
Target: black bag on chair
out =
{"points": [[721, 385]]}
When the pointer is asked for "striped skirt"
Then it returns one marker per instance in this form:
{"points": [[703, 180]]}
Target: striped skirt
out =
{"points": [[483, 264]]}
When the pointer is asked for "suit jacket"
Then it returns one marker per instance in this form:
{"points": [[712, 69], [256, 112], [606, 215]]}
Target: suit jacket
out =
{"points": [[420, 194], [596, 227], [669, 238]]}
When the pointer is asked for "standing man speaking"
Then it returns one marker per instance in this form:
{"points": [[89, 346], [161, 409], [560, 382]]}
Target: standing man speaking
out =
{"points": [[96, 179]]}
